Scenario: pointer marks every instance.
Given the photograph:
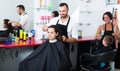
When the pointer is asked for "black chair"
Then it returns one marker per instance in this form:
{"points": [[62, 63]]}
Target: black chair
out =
{"points": [[106, 57]]}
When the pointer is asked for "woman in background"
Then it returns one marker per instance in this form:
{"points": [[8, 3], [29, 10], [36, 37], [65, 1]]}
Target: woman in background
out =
{"points": [[108, 28], [50, 56]]}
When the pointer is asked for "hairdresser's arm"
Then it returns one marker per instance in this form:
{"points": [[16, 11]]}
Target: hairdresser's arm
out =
{"points": [[45, 28], [15, 23], [69, 40], [98, 33]]}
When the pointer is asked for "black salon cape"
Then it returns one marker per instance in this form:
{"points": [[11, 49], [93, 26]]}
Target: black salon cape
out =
{"points": [[47, 57]]}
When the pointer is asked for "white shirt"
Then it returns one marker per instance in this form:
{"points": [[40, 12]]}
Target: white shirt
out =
{"points": [[72, 29], [53, 41], [24, 21]]}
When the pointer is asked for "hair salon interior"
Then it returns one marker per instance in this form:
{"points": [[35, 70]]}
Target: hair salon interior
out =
{"points": [[60, 35]]}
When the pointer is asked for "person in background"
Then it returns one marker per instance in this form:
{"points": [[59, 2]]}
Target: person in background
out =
{"points": [[67, 25], [54, 18], [54, 14], [49, 56], [8, 29], [8, 26], [90, 62], [108, 28], [107, 42], [24, 22]]}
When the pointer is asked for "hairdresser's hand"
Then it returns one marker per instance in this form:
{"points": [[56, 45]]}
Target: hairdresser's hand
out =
{"points": [[11, 22], [98, 37], [45, 28], [64, 38], [116, 35]]}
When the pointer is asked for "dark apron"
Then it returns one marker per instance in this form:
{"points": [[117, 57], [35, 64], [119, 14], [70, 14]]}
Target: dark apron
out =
{"points": [[109, 33], [63, 31]]}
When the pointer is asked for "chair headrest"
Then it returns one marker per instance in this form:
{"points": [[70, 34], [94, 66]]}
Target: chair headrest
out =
{"points": [[103, 57], [106, 56]]}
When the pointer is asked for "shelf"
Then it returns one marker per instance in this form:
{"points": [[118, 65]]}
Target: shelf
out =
{"points": [[111, 2]]}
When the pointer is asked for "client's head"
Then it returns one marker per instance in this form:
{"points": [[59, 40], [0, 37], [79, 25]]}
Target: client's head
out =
{"points": [[53, 33], [108, 40], [6, 24], [54, 14]]}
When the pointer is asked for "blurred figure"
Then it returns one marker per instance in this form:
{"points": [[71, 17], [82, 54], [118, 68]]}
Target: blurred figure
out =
{"points": [[24, 19], [107, 42], [8, 28], [54, 14], [54, 18]]}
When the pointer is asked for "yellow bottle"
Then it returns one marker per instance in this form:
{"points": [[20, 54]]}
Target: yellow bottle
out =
{"points": [[21, 34], [24, 36]]}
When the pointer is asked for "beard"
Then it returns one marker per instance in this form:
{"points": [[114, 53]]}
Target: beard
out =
{"points": [[19, 13], [64, 16]]}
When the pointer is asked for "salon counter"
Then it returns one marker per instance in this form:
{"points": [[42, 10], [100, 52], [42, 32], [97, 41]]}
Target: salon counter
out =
{"points": [[33, 42], [21, 43]]}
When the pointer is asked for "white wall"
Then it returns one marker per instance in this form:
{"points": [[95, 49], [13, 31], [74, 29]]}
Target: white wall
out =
{"points": [[8, 10], [94, 18], [56, 4]]}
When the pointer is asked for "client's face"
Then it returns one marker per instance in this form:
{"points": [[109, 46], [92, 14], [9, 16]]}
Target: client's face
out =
{"points": [[63, 11], [52, 34], [4, 25], [19, 11], [104, 42]]}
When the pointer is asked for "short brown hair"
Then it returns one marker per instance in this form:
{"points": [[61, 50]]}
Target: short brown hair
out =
{"points": [[64, 4], [108, 39], [21, 7]]}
